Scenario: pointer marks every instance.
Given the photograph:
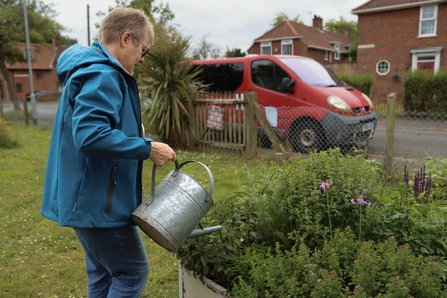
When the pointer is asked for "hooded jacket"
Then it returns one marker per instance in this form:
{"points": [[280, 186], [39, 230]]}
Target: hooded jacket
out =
{"points": [[93, 175]]}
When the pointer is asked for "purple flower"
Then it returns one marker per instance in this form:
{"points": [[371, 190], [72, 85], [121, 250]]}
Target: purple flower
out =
{"points": [[365, 190], [325, 185], [360, 200]]}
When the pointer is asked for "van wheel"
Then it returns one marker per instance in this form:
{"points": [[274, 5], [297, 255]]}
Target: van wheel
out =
{"points": [[305, 136]]}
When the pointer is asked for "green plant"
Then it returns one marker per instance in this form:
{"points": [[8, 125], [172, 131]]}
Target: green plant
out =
{"points": [[8, 139], [298, 206], [425, 92], [437, 168], [362, 82], [165, 80], [343, 267], [361, 202]]}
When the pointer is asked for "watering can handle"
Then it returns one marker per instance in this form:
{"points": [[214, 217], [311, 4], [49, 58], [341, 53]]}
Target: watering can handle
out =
{"points": [[177, 169]]}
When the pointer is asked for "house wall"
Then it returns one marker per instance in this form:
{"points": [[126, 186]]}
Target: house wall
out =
{"points": [[300, 49], [47, 82], [391, 36]]}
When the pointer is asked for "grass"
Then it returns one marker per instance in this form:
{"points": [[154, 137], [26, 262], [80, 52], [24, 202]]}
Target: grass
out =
{"points": [[40, 259]]}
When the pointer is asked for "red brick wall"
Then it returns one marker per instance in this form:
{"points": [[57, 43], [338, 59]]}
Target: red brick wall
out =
{"points": [[299, 49], [393, 35]]}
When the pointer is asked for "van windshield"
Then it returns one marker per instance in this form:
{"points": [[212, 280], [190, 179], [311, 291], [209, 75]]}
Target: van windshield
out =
{"points": [[312, 72]]}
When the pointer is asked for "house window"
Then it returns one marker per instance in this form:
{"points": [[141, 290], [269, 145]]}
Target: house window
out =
{"points": [[266, 48], [337, 51], [38, 74], [326, 55], [287, 47], [427, 24], [382, 67], [19, 87]]}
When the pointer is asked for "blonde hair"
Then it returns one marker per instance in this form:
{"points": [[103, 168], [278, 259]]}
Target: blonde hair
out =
{"points": [[122, 19]]}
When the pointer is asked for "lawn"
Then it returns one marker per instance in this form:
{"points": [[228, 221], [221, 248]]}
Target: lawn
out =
{"points": [[40, 259]]}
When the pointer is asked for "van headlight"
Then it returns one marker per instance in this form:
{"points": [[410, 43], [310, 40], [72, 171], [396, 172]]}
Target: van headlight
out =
{"points": [[368, 99], [338, 104]]}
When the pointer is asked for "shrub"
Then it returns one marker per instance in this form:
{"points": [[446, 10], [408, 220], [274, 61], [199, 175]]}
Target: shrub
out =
{"points": [[343, 267], [300, 206], [361, 82], [297, 231], [7, 137], [425, 92]]}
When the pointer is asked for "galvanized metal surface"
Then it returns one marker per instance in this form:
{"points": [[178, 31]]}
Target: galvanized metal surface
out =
{"points": [[174, 208]]}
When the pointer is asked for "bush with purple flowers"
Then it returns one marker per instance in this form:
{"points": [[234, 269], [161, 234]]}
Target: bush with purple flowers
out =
{"points": [[291, 234]]}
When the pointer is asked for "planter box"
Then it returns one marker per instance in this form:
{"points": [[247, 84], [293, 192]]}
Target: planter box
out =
{"points": [[192, 287]]}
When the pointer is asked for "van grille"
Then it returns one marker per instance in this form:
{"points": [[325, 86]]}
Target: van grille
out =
{"points": [[362, 110]]}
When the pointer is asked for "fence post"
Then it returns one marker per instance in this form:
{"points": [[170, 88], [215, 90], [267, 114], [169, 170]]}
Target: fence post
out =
{"points": [[390, 123], [192, 131], [251, 128]]}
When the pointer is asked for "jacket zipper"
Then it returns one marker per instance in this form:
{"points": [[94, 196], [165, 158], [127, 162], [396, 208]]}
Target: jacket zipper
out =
{"points": [[110, 189]]}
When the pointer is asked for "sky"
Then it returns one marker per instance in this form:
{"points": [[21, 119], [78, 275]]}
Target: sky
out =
{"points": [[224, 23]]}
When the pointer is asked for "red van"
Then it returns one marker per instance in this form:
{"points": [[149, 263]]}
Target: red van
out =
{"points": [[305, 103]]}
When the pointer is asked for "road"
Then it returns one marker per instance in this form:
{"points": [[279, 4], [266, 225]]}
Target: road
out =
{"points": [[413, 138]]}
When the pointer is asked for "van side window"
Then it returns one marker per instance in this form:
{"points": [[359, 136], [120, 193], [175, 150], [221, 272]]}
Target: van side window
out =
{"points": [[267, 74], [223, 77]]}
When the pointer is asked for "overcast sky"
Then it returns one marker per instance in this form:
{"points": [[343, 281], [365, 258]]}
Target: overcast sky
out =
{"points": [[226, 23]]}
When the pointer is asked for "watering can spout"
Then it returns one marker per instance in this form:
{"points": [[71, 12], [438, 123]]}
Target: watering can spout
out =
{"points": [[201, 232]]}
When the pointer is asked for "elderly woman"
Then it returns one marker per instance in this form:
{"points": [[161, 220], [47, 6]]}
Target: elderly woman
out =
{"points": [[93, 178]]}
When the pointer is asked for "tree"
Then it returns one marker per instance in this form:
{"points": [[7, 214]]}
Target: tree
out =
{"points": [[42, 29], [206, 50], [339, 26], [235, 52], [282, 16]]}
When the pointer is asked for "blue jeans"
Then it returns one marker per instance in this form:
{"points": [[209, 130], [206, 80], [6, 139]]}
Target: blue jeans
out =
{"points": [[116, 261]]}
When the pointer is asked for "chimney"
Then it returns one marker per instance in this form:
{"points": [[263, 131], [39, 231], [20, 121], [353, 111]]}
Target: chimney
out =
{"points": [[317, 22], [347, 31]]}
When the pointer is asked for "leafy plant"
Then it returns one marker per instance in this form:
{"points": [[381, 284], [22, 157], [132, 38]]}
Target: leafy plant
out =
{"points": [[342, 267], [7, 137], [165, 82]]}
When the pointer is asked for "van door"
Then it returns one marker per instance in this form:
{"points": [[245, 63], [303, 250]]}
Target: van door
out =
{"points": [[266, 77]]}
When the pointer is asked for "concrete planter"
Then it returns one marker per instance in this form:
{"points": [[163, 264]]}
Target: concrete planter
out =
{"points": [[193, 287]]}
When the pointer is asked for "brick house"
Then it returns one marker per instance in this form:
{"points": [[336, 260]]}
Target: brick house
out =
{"points": [[397, 36], [43, 70], [291, 38]]}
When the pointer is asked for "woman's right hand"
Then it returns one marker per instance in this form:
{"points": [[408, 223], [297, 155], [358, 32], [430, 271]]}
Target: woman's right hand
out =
{"points": [[161, 153]]}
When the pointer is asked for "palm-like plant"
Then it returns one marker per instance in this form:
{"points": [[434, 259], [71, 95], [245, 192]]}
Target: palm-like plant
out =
{"points": [[165, 80]]}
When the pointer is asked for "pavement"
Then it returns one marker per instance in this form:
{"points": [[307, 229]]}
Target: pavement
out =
{"points": [[45, 112]]}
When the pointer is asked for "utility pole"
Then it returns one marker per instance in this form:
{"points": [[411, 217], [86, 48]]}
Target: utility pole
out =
{"points": [[88, 24], [30, 66]]}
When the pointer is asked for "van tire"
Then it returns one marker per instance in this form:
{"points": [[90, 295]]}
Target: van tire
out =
{"points": [[305, 136]]}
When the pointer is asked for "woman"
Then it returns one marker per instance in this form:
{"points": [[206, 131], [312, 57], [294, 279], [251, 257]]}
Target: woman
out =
{"points": [[93, 178]]}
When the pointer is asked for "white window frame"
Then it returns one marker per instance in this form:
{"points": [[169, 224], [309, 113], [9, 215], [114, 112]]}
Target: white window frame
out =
{"points": [[416, 53], [287, 42], [266, 45], [433, 19], [326, 56], [337, 51], [378, 69]]}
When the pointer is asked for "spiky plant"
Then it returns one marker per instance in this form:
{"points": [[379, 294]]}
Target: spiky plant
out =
{"points": [[165, 80]]}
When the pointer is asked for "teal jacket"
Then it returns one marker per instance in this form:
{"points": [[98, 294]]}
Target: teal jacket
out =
{"points": [[93, 175]]}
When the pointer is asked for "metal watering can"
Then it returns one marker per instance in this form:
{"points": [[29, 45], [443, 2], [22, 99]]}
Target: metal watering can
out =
{"points": [[174, 208]]}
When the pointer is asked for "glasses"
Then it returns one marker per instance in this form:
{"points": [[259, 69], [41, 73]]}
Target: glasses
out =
{"points": [[144, 51]]}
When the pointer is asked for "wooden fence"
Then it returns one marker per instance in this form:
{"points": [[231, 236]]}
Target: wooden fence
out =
{"points": [[241, 114]]}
